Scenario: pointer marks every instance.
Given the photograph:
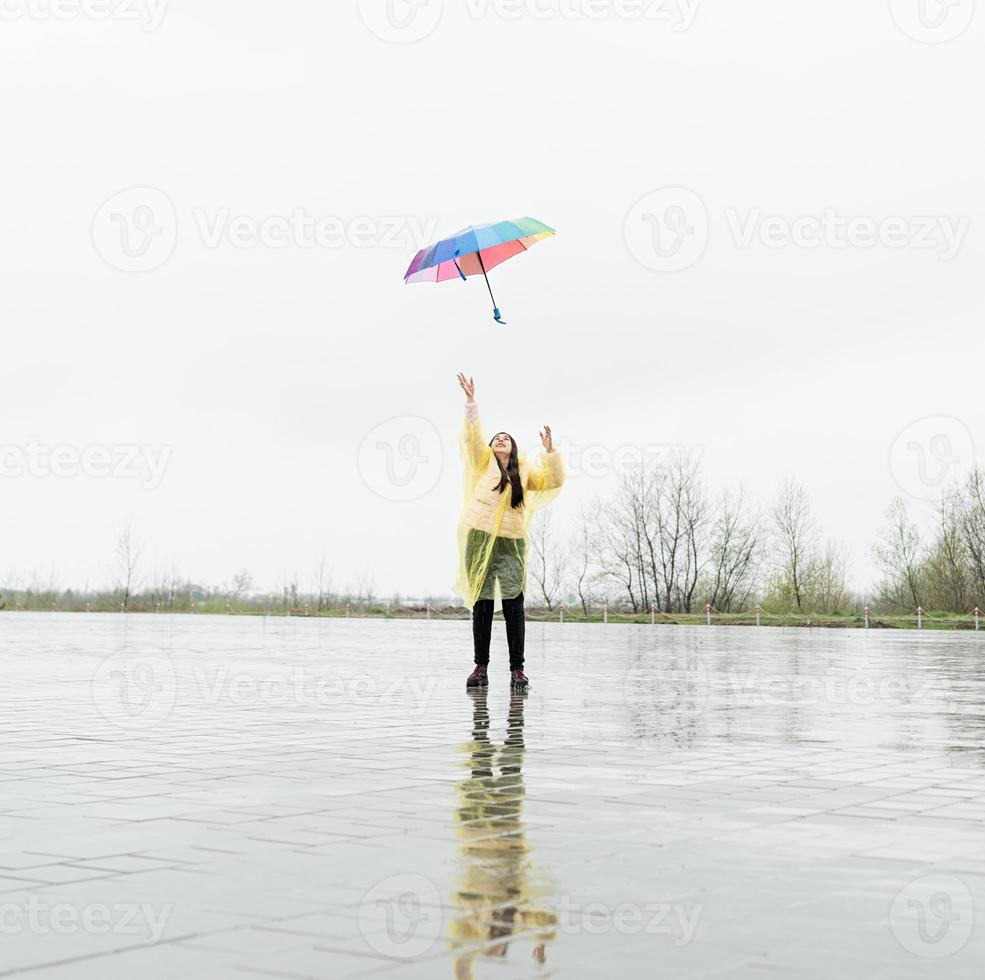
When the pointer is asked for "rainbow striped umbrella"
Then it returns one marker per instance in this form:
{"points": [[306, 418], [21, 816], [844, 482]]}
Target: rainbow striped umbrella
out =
{"points": [[475, 250]]}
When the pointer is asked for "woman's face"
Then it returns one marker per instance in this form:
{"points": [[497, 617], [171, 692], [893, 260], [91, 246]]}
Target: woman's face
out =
{"points": [[502, 443]]}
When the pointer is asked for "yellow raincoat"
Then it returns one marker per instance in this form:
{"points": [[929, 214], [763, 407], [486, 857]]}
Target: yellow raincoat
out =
{"points": [[493, 536]]}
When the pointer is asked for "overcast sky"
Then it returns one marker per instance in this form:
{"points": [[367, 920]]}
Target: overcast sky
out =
{"points": [[769, 247]]}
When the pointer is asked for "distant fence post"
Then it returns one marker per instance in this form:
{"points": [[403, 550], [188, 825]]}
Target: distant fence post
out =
{"points": [[561, 613], [605, 612], [347, 610], [653, 614], [708, 613], [866, 612], [919, 617], [978, 615], [759, 610]]}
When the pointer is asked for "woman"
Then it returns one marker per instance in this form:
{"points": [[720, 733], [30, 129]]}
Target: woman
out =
{"points": [[502, 492]]}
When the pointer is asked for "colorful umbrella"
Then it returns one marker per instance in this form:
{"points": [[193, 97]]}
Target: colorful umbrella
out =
{"points": [[475, 250]]}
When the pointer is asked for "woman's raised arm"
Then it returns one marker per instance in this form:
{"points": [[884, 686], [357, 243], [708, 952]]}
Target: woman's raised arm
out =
{"points": [[472, 441], [548, 472]]}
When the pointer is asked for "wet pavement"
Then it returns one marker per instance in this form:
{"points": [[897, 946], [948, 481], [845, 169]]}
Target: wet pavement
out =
{"points": [[199, 797]]}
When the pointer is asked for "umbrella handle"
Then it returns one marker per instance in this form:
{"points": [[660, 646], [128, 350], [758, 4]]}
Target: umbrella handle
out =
{"points": [[497, 316], [457, 266]]}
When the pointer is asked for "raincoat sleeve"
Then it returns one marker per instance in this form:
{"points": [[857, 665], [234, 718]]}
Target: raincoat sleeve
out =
{"points": [[547, 473], [471, 442], [542, 481]]}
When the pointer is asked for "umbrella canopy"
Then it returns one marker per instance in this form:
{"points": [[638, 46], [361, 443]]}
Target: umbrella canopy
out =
{"points": [[493, 244], [475, 250]]}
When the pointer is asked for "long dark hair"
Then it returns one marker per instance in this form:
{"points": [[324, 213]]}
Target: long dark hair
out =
{"points": [[509, 473]]}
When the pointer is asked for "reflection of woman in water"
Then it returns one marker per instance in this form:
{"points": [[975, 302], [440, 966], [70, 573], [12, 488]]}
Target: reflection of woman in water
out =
{"points": [[496, 900], [502, 492]]}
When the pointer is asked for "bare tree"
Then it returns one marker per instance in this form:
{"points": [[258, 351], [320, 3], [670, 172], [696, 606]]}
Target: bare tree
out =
{"points": [[796, 541], [654, 543], [324, 583], [622, 552], [242, 583], [547, 567], [899, 553], [583, 553], [128, 553], [947, 562], [366, 586], [827, 579], [736, 545], [973, 527], [688, 494], [289, 590], [674, 517]]}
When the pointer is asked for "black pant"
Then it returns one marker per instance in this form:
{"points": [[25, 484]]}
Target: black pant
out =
{"points": [[482, 619]]}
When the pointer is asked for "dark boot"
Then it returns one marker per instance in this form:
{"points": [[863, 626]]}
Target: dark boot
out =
{"points": [[479, 677], [519, 680]]}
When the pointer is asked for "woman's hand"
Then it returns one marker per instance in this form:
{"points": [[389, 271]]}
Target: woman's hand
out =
{"points": [[547, 439], [468, 386]]}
